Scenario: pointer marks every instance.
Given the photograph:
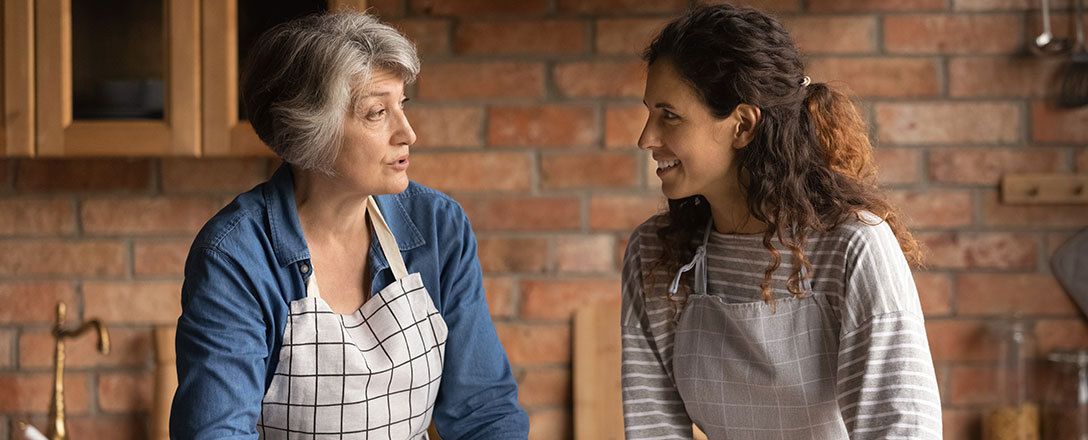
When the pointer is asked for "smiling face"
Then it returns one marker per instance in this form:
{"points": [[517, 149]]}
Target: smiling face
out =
{"points": [[694, 149], [374, 156]]}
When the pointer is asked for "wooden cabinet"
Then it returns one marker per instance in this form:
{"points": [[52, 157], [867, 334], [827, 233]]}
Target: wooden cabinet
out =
{"points": [[133, 77]]}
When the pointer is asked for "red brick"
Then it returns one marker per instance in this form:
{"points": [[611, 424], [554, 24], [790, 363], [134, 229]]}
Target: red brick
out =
{"points": [[513, 254], [1058, 333], [601, 78], [544, 386], [627, 36], [36, 216], [898, 165], [948, 122], [998, 294], [533, 344], [129, 347], [103, 427], [883, 77], [962, 423], [959, 34], [589, 170], [35, 302], [933, 207], [212, 175], [585, 253], [472, 171], [971, 385], [619, 6], [1052, 124], [965, 250], [31, 392], [526, 213], [852, 34], [56, 257], [463, 80], [141, 302], [764, 5], [551, 424], [5, 166], [83, 175], [1006, 5], [430, 35], [935, 293], [159, 257], [1061, 24], [987, 165], [520, 37], [996, 213], [560, 298], [622, 213], [475, 8], [500, 296], [623, 125], [961, 340], [7, 347], [874, 5], [387, 8], [1082, 160], [447, 126], [147, 215], [546, 126], [125, 392], [988, 77]]}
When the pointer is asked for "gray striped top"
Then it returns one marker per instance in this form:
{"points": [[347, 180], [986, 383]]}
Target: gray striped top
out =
{"points": [[850, 359]]}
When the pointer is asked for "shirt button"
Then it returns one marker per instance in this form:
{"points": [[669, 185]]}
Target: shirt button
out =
{"points": [[304, 268]]}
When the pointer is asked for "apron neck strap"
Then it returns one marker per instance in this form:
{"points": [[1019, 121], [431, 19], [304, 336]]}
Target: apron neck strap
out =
{"points": [[698, 263], [386, 240]]}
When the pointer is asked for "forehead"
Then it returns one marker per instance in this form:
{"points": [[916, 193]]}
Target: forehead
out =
{"points": [[665, 85], [382, 82]]}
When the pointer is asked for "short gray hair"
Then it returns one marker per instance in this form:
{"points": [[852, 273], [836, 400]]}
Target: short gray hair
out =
{"points": [[298, 86]]}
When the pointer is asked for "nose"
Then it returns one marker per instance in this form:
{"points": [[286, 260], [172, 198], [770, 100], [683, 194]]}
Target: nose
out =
{"points": [[650, 138], [403, 134]]}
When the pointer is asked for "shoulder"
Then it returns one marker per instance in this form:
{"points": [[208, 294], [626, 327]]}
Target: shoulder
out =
{"points": [[243, 216], [421, 201], [866, 233]]}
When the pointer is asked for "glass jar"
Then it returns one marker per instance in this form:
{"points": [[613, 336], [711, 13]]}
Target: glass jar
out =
{"points": [[1066, 404], [1014, 416]]}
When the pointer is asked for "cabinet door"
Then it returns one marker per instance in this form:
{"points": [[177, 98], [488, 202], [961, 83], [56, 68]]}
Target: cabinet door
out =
{"points": [[17, 121], [118, 77], [229, 28]]}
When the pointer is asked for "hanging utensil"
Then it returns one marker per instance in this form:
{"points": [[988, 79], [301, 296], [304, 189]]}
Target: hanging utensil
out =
{"points": [[1074, 92], [1046, 43]]}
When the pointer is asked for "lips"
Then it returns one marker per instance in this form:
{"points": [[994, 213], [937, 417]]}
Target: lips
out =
{"points": [[400, 163]]}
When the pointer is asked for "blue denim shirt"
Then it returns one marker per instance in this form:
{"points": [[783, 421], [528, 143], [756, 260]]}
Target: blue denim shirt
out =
{"points": [[251, 261]]}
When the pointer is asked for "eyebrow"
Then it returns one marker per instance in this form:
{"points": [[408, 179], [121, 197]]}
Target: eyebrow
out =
{"points": [[664, 105], [374, 94]]}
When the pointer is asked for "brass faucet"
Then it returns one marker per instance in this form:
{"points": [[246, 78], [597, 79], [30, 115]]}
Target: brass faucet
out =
{"points": [[57, 430]]}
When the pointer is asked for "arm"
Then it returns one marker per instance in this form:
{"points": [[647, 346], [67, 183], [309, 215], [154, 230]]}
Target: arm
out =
{"points": [[652, 407], [478, 398], [886, 383], [221, 352]]}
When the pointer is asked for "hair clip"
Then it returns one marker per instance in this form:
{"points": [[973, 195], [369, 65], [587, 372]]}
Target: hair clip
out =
{"points": [[805, 82]]}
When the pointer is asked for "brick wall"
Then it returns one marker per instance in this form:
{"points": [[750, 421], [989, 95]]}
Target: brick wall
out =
{"points": [[527, 113]]}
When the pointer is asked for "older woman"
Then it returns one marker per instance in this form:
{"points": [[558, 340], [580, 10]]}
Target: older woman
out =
{"points": [[338, 298]]}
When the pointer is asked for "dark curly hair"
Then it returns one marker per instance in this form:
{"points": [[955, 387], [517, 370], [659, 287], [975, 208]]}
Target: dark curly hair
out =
{"points": [[809, 166]]}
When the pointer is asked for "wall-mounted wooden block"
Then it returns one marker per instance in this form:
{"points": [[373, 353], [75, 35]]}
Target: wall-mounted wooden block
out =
{"points": [[1039, 189]]}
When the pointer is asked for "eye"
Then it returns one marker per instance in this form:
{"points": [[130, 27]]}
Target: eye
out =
{"points": [[376, 115], [669, 116]]}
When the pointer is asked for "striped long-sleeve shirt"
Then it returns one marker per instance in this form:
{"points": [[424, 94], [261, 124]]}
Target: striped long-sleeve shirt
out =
{"points": [[848, 360]]}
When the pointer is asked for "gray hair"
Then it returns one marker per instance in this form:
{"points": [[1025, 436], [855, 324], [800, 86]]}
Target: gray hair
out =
{"points": [[300, 80]]}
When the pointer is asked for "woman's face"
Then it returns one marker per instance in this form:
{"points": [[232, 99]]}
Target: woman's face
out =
{"points": [[374, 157], [692, 147]]}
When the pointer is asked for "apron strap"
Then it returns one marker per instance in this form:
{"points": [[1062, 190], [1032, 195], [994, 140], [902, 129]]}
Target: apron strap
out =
{"points": [[698, 263], [385, 238]]}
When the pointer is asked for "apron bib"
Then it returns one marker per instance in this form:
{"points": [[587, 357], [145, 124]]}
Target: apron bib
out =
{"points": [[371, 375], [748, 371]]}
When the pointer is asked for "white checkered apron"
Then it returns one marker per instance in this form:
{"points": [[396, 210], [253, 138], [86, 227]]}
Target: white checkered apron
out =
{"points": [[750, 371], [371, 375]]}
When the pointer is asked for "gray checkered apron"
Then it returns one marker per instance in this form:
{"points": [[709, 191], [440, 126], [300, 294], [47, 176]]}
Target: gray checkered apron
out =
{"points": [[749, 371], [371, 375]]}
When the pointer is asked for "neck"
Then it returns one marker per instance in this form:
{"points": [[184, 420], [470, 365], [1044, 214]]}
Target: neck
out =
{"points": [[729, 208], [325, 209]]}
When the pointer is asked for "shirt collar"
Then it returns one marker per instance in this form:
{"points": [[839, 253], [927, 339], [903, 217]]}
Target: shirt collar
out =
{"points": [[288, 241]]}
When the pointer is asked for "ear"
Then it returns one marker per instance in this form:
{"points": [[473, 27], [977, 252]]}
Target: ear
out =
{"points": [[747, 117]]}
